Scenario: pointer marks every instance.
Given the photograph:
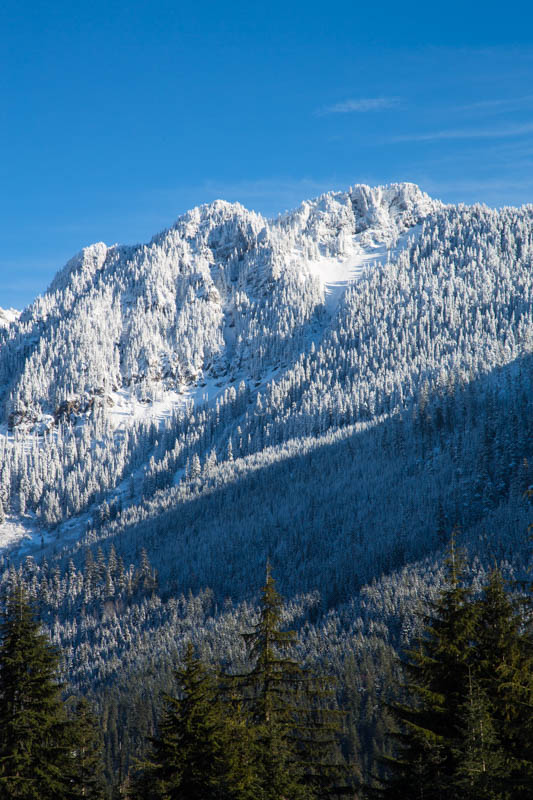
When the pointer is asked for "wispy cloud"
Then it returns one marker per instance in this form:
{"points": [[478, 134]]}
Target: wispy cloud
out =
{"points": [[361, 105], [499, 105], [502, 132]]}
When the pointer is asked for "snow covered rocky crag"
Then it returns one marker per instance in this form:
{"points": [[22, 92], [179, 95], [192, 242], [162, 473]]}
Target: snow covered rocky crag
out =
{"points": [[222, 295]]}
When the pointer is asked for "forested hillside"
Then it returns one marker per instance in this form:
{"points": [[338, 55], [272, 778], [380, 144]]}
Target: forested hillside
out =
{"points": [[334, 391]]}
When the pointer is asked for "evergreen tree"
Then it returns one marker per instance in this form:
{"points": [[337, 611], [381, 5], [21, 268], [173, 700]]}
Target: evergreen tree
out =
{"points": [[503, 664], [195, 755], [35, 732], [86, 768], [432, 720], [465, 731], [296, 728], [480, 768], [270, 691], [241, 773]]}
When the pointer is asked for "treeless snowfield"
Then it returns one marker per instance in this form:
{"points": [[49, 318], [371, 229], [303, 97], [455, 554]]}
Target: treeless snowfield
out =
{"points": [[336, 274]]}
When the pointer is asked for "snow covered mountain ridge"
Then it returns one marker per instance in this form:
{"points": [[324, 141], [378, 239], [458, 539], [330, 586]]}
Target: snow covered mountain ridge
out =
{"points": [[203, 301], [362, 316]]}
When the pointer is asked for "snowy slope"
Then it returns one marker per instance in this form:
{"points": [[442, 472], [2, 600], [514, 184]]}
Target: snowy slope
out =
{"points": [[363, 252], [357, 230]]}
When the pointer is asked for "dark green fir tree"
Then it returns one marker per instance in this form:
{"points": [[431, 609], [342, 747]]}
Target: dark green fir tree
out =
{"points": [[86, 764], [294, 713], [35, 732], [200, 752], [503, 670], [479, 760], [465, 730], [431, 721]]}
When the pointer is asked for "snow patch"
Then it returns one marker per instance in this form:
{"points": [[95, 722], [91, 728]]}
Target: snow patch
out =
{"points": [[17, 532], [8, 315], [369, 249], [127, 408]]}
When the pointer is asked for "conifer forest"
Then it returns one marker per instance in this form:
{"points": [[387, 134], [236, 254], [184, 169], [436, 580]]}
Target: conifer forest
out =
{"points": [[266, 497]]}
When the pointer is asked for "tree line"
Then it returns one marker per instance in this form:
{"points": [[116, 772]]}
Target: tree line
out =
{"points": [[460, 722]]}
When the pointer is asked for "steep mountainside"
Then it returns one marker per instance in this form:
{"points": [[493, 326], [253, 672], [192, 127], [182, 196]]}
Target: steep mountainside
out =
{"points": [[229, 335], [334, 390]]}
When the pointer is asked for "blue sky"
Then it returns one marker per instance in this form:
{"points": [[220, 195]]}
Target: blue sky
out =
{"points": [[116, 117]]}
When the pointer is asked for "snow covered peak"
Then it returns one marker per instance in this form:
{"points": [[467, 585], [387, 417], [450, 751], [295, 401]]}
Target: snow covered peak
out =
{"points": [[198, 223], [340, 233], [389, 210], [401, 204], [81, 268], [222, 294]]}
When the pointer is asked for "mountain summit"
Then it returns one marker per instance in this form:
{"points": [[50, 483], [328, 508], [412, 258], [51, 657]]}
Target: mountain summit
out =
{"points": [[223, 292]]}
